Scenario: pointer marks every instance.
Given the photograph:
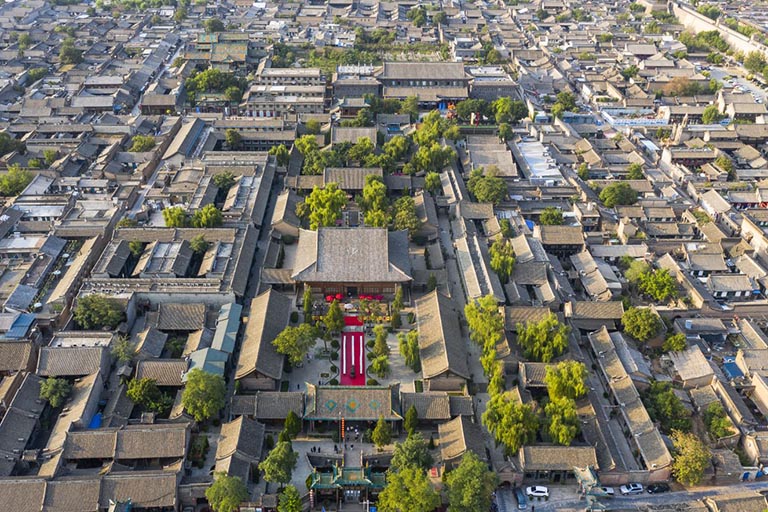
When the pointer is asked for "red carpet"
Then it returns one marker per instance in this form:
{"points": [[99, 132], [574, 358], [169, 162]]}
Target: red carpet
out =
{"points": [[352, 321], [352, 356]]}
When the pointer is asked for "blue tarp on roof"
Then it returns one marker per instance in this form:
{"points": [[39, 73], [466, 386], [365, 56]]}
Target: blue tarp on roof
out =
{"points": [[530, 224], [95, 421], [20, 326], [732, 370]]}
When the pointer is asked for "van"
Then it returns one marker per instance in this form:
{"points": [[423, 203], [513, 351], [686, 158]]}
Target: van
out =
{"points": [[522, 501]]}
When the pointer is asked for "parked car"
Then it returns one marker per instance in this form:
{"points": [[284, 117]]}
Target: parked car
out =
{"points": [[609, 491], [522, 502], [657, 488], [537, 491], [633, 488]]}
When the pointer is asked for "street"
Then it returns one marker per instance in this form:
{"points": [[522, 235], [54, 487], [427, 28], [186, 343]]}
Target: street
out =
{"points": [[719, 73], [565, 498]]}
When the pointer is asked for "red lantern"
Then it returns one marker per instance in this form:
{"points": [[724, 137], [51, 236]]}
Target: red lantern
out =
{"points": [[329, 298], [339, 296]]}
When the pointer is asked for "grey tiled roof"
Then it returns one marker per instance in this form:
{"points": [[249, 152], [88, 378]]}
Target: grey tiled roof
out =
{"points": [[441, 345], [165, 372], [429, 406], [181, 317], [459, 435], [71, 361], [362, 255], [268, 317], [556, 458]]}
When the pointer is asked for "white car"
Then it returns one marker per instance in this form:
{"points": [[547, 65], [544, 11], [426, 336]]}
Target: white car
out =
{"points": [[537, 491], [608, 491], [633, 488]]}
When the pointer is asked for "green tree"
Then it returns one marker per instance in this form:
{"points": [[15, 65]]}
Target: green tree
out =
{"points": [[295, 342], [486, 326], [486, 189], [630, 72], [717, 421], [334, 318], [409, 349], [414, 451], [380, 366], [452, 133], [204, 394], [289, 500], [583, 171], [509, 111], [659, 285], [410, 106], [146, 393], [465, 109], [325, 205], [281, 154], [405, 215], [180, 14], [692, 458], [207, 217], [551, 216], [411, 421], [15, 180], [755, 62], [226, 493], [397, 147], [374, 193], [50, 156], [233, 94], [641, 323], [198, 244], [618, 193], [502, 259], [567, 379], [213, 25], [175, 217], [711, 115], [24, 41], [34, 163], [35, 74], [376, 218], [123, 350], [505, 132], [361, 149], [409, 490], [312, 126], [725, 163], [470, 485], [664, 406], [292, 424], [55, 391], [136, 247], [382, 433], [68, 53], [636, 270], [675, 343], [98, 311], [142, 143], [543, 340], [635, 171], [512, 424], [432, 183], [380, 347], [233, 138], [307, 304], [563, 420]]}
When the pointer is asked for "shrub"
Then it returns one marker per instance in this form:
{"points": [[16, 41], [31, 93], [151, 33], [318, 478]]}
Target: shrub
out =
{"points": [[334, 356], [294, 317], [335, 344], [372, 382], [411, 317], [333, 382], [370, 356], [334, 369], [370, 343]]}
